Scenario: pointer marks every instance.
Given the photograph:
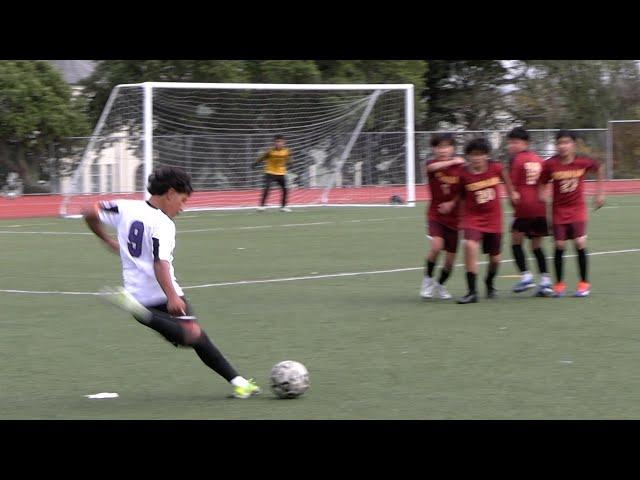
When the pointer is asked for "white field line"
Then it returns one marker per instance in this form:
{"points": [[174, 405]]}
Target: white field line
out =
{"points": [[307, 277], [219, 229]]}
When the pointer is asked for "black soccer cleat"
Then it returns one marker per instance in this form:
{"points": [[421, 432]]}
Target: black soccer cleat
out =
{"points": [[492, 293], [469, 298]]}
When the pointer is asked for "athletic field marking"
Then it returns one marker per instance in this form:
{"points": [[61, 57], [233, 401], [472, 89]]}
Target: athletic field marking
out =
{"points": [[219, 229], [45, 233], [308, 277]]}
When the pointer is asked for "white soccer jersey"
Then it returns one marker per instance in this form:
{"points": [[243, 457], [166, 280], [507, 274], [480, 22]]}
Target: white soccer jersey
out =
{"points": [[145, 234]]}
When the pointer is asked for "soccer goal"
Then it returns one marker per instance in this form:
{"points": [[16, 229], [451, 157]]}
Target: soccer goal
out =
{"points": [[350, 144]]}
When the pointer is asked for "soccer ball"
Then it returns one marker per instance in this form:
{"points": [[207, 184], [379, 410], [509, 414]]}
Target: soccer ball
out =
{"points": [[289, 379]]}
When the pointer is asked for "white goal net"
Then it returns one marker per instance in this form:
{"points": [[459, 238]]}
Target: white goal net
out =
{"points": [[349, 144]]}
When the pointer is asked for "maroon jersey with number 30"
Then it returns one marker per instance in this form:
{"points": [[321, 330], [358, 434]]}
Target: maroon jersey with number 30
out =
{"points": [[445, 186], [525, 171], [569, 205], [482, 207]]}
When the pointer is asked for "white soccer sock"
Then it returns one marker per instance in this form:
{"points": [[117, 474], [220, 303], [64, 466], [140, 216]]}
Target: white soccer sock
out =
{"points": [[239, 382], [526, 276]]}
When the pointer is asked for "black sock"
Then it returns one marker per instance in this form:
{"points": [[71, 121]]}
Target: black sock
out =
{"points": [[471, 282], [429, 268], [172, 330], [558, 263], [491, 274], [518, 256], [265, 193], [444, 274], [213, 359], [582, 264], [542, 262]]}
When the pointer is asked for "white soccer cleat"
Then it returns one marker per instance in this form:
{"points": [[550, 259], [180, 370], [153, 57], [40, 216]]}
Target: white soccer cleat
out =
{"points": [[285, 209], [426, 291], [442, 292], [127, 302]]}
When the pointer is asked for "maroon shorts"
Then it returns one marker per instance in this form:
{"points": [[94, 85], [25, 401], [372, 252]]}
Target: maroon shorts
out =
{"points": [[448, 234], [491, 242], [569, 231], [531, 227]]}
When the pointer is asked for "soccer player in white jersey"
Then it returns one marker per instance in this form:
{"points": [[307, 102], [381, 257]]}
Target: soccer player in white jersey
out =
{"points": [[146, 237]]}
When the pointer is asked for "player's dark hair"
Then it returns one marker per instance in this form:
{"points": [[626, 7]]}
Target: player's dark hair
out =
{"points": [[566, 133], [518, 133], [477, 145], [164, 178], [278, 137], [443, 137]]}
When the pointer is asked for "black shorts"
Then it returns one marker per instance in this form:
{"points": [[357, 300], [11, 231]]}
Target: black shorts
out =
{"points": [[531, 227], [491, 242], [162, 308], [279, 179], [448, 234]]}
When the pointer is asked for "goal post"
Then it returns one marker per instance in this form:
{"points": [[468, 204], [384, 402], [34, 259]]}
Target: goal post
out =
{"points": [[351, 144]]}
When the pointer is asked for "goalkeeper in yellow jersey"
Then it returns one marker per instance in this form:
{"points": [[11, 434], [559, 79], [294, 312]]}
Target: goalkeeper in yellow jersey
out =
{"points": [[275, 169]]}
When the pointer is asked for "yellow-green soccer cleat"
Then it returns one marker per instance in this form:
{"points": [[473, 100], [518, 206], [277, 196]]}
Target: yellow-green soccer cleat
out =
{"points": [[248, 391]]}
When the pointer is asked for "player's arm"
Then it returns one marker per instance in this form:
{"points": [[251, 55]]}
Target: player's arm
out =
{"points": [[543, 183], [91, 215], [164, 240], [448, 207], [435, 166], [599, 200], [511, 192], [175, 304], [262, 158]]}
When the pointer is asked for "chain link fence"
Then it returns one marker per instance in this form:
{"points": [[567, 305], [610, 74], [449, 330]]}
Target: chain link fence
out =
{"points": [[617, 146]]}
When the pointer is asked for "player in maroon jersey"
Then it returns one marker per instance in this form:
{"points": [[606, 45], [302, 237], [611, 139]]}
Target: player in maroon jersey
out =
{"points": [[443, 171], [530, 214], [567, 171], [482, 214]]}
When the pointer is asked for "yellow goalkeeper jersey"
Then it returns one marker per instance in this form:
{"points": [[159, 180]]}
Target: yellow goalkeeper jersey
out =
{"points": [[275, 161]]}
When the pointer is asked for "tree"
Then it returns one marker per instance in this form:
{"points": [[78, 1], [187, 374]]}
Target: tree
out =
{"points": [[576, 93], [380, 71], [284, 71], [109, 73], [37, 109], [465, 94]]}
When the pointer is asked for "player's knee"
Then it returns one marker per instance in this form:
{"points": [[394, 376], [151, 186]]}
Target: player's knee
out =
{"points": [[436, 245], [560, 244], [192, 332], [581, 242], [470, 245]]}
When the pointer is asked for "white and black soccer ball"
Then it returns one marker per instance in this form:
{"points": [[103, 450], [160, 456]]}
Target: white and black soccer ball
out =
{"points": [[289, 379]]}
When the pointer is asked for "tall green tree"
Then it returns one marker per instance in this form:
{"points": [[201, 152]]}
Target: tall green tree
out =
{"points": [[110, 73], [575, 93], [380, 71], [465, 94], [37, 110]]}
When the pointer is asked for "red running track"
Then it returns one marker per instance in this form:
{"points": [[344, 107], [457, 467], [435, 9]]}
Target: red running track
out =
{"points": [[49, 205]]}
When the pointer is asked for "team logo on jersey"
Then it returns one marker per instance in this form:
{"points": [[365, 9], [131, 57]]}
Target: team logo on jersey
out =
{"points": [[565, 174], [489, 182], [450, 179]]}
